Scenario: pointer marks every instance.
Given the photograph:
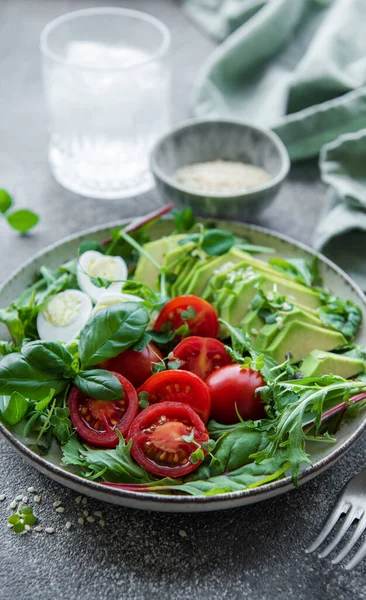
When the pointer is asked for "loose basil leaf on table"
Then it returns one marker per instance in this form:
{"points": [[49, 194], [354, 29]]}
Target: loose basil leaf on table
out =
{"points": [[18, 374], [100, 384], [112, 330]]}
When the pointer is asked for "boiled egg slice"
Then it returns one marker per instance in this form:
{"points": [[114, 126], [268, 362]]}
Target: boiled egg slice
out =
{"points": [[64, 315], [110, 298], [95, 264]]}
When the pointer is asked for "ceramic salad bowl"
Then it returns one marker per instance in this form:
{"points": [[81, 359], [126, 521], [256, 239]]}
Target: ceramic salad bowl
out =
{"points": [[322, 455]]}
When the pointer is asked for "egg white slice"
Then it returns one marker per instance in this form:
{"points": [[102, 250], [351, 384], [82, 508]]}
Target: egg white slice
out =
{"points": [[95, 264], [64, 315], [110, 298]]}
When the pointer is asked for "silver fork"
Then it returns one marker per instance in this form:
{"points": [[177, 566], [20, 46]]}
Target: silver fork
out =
{"points": [[352, 503]]}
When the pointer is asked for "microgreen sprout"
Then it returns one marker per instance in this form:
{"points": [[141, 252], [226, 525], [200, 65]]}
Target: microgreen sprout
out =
{"points": [[143, 400], [22, 220], [198, 454], [22, 518]]}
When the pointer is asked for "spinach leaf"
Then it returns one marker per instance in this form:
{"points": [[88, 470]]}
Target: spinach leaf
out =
{"points": [[51, 357], [112, 330], [115, 465], [217, 241], [10, 318], [18, 374], [98, 383], [339, 314], [16, 409]]}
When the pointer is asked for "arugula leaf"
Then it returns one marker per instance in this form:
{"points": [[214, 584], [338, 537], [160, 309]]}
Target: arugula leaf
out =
{"points": [[116, 465], [183, 220], [18, 374], [299, 269], [112, 330], [10, 318], [86, 246], [342, 315], [98, 383], [16, 409]]}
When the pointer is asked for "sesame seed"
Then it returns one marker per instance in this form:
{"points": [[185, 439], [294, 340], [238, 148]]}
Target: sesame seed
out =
{"points": [[86, 513], [98, 513], [68, 525], [37, 499], [90, 519], [183, 533], [78, 500], [19, 497], [31, 490], [57, 503], [49, 530], [13, 504], [84, 501], [101, 523], [60, 509], [38, 528], [2, 497], [81, 521], [322, 356], [25, 499], [254, 331], [27, 527], [10, 525]]}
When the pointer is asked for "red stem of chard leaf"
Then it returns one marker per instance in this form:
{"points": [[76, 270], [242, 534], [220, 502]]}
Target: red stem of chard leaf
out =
{"points": [[143, 221]]}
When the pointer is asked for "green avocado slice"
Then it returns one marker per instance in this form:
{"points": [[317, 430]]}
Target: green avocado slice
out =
{"points": [[319, 363], [300, 338], [269, 331]]}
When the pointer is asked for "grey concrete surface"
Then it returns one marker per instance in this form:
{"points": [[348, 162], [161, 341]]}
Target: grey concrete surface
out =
{"points": [[256, 552]]}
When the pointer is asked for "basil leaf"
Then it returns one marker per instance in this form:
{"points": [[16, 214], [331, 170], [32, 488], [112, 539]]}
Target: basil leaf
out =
{"points": [[16, 409], [10, 318], [22, 220], [142, 343], [18, 374], [99, 384], [5, 201], [112, 330], [48, 356], [217, 241]]}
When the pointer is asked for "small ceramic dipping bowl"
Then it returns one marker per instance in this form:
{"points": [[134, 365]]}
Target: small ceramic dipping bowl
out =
{"points": [[206, 140]]}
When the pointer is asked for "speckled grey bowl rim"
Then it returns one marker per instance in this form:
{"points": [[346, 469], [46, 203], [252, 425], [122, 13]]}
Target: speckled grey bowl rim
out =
{"points": [[267, 133], [167, 503]]}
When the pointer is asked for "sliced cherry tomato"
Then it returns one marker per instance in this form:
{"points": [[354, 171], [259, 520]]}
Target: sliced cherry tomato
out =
{"points": [[135, 366], [201, 355], [179, 386], [232, 386], [157, 439], [205, 322], [96, 421]]}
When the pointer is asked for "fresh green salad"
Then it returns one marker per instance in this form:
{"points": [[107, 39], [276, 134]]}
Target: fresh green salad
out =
{"points": [[187, 364]]}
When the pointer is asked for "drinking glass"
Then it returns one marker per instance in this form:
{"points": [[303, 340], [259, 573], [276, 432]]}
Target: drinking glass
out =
{"points": [[107, 87]]}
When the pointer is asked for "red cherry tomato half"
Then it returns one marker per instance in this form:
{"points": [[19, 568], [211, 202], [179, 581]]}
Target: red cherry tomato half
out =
{"points": [[96, 421], [179, 386], [205, 323], [157, 442], [135, 366], [201, 355], [232, 386]]}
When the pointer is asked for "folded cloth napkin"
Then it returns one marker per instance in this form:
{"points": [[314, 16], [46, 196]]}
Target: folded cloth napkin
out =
{"points": [[299, 67]]}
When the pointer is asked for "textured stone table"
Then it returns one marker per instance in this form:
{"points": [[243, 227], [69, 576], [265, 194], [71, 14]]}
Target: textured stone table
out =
{"points": [[255, 552]]}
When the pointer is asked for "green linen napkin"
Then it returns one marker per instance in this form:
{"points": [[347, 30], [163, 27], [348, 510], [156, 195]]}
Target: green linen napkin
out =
{"points": [[299, 67]]}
